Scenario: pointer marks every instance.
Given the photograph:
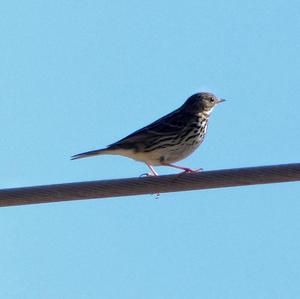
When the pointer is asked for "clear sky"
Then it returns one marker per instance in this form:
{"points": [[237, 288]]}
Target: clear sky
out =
{"points": [[78, 75]]}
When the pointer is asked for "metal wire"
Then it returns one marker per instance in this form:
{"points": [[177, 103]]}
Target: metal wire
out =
{"points": [[150, 185]]}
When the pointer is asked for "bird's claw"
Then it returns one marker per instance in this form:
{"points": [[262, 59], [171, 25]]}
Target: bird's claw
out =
{"points": [[146, 174], [189, 170]]}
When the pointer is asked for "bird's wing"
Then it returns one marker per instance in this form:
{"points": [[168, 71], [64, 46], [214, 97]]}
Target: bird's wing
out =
{"points": [[165, 126]]}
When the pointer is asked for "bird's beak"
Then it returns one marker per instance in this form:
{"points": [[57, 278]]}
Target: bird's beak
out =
{"points": [[220, 101]]}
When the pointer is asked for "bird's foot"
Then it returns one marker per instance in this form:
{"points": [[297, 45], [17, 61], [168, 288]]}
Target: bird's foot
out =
{"points": [[189, 170], [150, 174], [185, 169], [147, 174]]}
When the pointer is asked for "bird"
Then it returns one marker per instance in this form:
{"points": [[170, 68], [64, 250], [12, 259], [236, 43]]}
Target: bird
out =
{"points": [[169, 139]]}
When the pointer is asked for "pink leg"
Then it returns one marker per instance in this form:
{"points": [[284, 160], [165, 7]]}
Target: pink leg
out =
{"points": [[185, 169], [152, 169], [155, 174]]}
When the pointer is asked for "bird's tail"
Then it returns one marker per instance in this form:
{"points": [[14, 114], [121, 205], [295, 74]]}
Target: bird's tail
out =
{"points": [[91, 153]]}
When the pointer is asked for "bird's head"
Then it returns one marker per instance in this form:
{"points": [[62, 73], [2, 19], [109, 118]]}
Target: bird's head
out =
{"points": [[202, 102]]}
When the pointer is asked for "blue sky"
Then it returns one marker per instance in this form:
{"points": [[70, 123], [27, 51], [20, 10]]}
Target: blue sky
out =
{"points": [[77, 76]]}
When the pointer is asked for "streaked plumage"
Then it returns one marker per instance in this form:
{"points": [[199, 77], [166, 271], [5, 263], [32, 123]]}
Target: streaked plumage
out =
{"points": [[170, 138]]}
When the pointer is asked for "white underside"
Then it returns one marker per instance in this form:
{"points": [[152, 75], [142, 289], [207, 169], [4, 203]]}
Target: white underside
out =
{"points": [[154, 157]]}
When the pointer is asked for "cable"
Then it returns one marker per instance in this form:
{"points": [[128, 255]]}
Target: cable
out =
{"points": [[150, 185]]}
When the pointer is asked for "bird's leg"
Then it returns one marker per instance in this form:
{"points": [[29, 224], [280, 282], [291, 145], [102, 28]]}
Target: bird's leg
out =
{"points": [[185, 169], [153, 172]]}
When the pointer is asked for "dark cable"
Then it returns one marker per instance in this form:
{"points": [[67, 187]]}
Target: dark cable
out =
{"points": [[150, 185]]}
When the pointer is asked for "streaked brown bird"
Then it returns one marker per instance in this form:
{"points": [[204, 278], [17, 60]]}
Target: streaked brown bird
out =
{"points": [[169, 139]]}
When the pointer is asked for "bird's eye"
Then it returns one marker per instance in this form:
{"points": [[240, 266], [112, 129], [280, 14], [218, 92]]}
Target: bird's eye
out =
{"points": [[211, 100]]}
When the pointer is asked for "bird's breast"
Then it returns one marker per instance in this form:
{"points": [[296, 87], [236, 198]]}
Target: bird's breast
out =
{"points": [[188, 141], [195, 132]]}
